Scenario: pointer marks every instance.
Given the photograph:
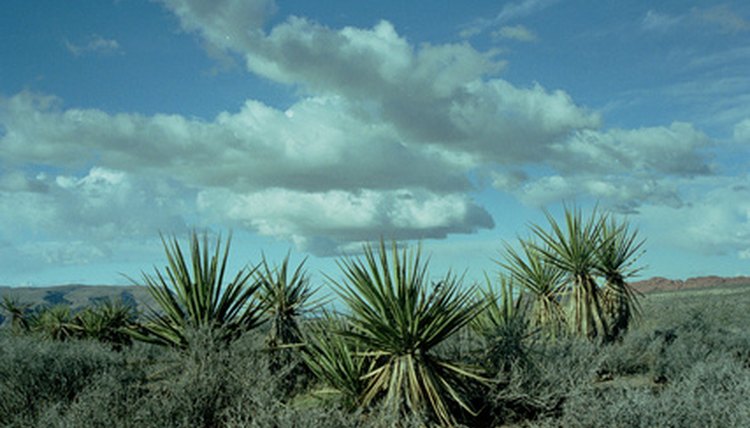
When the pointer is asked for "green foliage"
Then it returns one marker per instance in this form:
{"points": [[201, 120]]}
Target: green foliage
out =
{"points": [[193, 294], [398, 320], [36, 374], [504, 325], [18, 312], [287, 297], [543, 282], [573, 248], [620, 249], [55, 322], [388, 360], [108, 322], [565, 264], [335, 360]]}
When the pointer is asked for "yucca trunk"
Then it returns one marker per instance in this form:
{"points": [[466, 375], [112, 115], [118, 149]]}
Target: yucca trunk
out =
{"points": [[589, 317], [620, 302]]}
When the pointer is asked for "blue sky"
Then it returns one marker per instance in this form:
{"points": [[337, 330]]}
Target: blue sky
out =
{"points": [[316, 126]]}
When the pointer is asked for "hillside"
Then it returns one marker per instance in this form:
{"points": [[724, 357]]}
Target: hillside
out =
{"points": [[658, 284], [77, 296]]}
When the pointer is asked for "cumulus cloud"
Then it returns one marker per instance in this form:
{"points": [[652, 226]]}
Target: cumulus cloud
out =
{"points": [[380, 143], [316, 144], [623, 169], [324, 222], [715, 219], [317, 153], [100, 205], [66, 219], [672, 150], [433, 94]]}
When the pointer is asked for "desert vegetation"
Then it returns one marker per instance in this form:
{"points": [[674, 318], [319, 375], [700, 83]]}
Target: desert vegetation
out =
{"points": [[556, 337]]}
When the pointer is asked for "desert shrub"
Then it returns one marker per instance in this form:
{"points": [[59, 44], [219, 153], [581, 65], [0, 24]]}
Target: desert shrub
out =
{"points": [[694, 339], [540, 387], [36, 374], [714, 393]]}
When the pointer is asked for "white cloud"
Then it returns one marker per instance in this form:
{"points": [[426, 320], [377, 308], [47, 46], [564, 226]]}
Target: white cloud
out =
{"points": [[673, 150], [223, 23], [313, 157], [94, 44], [434, 94], [515, 32], [522, 9], [721, 18], [715, 220], [319, 143], [622, 169], [742, 132], [511, 11], [381, 143], [325, 222], [98, 208]]}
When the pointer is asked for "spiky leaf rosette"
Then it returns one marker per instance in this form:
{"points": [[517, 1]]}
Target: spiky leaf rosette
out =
{"points": [[504, 324], [287, 297], [398, 318], [335, 359], [192, 293], [542, 280], [573, 247]]}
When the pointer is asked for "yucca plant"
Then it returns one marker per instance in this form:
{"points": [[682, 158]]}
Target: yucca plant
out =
{"points": [[335, 359], [55, 322], [286, 297], [192, 294], [19, 314], [574, 248], [108, 322], [398, 319], [618, 253], [504, 325], [542, 280]]}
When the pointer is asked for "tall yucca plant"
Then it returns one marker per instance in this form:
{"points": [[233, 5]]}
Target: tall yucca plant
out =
{"points": [[398, 319], [504, 324], [618, 253], [286, 296], [574, 248], [192, 294], [542, 280]]}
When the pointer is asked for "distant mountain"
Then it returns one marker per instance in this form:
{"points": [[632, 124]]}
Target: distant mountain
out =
{"points": [[664, 284], [78, 296]]}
